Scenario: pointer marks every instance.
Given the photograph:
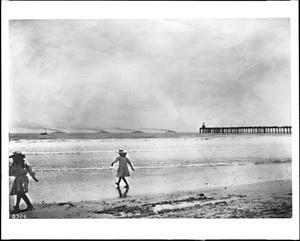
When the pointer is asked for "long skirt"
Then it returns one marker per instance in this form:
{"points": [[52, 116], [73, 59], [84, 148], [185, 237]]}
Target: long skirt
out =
{"points": [[20, 184]]}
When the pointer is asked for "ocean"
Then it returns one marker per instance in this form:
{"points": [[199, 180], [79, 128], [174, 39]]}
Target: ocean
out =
{"points": [[94, 151], [76, 166]]}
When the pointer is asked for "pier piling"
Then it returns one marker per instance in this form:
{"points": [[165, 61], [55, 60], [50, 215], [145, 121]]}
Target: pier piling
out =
{"points": [[247, 129]]}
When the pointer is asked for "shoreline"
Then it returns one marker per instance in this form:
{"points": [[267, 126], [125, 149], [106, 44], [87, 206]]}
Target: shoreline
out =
{"points": [[100, 185], [268, 199]]}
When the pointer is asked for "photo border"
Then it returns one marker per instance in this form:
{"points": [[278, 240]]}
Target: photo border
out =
{"points": [[147, 228]]}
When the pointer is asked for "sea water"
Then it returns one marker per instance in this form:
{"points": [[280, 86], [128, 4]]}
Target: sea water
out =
{"points": [[72, 151], [77, 166]]}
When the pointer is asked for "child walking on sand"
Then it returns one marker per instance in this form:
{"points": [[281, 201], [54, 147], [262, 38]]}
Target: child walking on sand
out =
{"points": [[19, 169], [123, 168]]}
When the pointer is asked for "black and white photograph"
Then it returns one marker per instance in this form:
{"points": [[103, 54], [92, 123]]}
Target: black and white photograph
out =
{"points": [[169, 118]]}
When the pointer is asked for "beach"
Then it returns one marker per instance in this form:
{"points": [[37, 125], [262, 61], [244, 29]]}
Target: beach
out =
{"points": [[260, 200], [213, 176], [267, 199]]}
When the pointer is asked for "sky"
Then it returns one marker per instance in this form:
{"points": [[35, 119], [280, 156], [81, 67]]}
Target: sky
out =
{"points": [[165, 74]]}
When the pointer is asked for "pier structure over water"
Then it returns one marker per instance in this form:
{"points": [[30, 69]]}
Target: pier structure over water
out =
{"points": [[247, 129]]}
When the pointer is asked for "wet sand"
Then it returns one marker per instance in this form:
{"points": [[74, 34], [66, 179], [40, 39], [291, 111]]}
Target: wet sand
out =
{"points": [[76, 186], [246, 191], [269, 199]]}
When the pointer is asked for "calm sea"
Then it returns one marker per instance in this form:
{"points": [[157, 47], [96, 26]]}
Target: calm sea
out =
{"points": [[51, 136], [96, 151]]}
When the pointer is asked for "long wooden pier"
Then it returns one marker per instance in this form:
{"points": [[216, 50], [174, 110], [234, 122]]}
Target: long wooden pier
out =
{"points": [[247, 129]]}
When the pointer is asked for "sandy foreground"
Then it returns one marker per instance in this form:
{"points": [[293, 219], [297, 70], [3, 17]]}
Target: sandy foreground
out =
{"points": [[267, 199]]}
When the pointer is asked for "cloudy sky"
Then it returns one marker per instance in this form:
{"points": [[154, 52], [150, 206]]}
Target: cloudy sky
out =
{"points": [[170, 74]]}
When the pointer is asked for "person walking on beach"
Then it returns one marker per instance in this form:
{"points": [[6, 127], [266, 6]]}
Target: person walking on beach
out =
{"points": [[19, 169], [123, 168]]}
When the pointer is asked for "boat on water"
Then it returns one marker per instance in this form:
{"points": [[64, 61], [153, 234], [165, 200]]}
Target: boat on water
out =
{"points": [[59, 132], [102, 132], [44, 133], [170, 131], [137, 132]]}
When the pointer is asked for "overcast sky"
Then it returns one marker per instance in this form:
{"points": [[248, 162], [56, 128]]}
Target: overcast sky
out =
{"points": [[172, 74]]}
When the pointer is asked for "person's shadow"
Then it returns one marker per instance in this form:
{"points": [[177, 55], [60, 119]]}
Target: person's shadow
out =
{"points": [[124, 194]]}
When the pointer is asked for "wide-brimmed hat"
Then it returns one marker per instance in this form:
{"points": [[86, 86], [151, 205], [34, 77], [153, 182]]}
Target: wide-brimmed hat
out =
{"points": [[17, 154], [122, 152]]}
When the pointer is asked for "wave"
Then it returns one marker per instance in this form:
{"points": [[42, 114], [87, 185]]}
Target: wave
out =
{"points": [[150, 150], [170, 166]]}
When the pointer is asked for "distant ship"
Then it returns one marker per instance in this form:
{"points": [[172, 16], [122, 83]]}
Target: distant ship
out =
{"points": [[59, 132], [44, 133], [137, 132], [169, 131], [102, 132]]}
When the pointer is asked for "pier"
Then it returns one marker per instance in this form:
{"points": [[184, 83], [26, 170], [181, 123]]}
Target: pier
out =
{"points": [[247, 129]]}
